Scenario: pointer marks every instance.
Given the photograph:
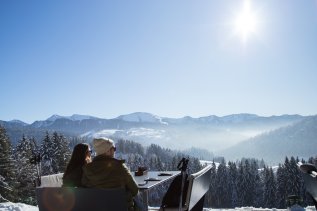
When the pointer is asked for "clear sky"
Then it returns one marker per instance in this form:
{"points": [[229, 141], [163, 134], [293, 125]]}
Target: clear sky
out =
{"points": [[169, 58]]}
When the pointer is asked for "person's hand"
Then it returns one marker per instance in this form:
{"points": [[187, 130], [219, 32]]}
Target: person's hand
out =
{"points": [[88, 159]]}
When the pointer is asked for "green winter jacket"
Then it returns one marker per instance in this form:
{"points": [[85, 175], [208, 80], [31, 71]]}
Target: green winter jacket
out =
{"points": [[106, 172]]}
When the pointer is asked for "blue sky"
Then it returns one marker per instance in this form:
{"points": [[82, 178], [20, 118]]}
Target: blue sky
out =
{"points": [[169, 58]]}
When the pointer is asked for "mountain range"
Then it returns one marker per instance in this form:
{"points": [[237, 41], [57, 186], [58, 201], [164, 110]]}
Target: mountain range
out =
{"points": [[232, 136]]}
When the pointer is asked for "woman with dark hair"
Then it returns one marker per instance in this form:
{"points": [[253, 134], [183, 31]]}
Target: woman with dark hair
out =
{"points": [[81, 156]]}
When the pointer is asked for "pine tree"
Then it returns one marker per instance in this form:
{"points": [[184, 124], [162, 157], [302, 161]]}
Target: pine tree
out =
{"points": [[257, 185], [222, 188], [288, 176], [294, 177], [55, 153], [194, 165], [269, 194], [26, 172], [232, 182], [249, 185], [159, 165], [63, 152], [281, 192], [55, 145], [7, 167], [47, 152], [242, 185]]}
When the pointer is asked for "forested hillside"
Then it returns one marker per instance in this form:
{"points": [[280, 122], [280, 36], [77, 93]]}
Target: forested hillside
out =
{"points": [[299, 139]]}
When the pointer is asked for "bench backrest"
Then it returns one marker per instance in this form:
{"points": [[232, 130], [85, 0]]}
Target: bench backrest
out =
{"points": [[53, 180], [198, 186], [81, 199], [309, 172]]}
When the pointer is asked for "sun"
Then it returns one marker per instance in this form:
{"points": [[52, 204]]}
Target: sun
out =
{"points": [[246, 22]]}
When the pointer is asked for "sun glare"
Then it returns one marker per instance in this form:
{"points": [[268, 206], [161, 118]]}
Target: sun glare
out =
{"points": [[246, 22]]}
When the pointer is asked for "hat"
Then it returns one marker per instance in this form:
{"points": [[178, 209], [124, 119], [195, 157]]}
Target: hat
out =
{"points": [[102, 145]]}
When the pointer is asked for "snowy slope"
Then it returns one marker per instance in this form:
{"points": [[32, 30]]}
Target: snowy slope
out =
{"points": [[142, 117], [8, 206]]}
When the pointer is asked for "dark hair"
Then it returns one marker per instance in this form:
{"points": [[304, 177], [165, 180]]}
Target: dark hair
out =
{"points": [[78, 157]]}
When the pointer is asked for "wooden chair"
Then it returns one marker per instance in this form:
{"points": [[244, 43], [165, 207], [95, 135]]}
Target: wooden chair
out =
{"points": [[81, 199], [197, 188], [309, 172]]}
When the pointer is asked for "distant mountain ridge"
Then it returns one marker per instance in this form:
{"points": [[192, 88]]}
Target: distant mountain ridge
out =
{"points": [[213, 133], [74, 117], [151, 118]]}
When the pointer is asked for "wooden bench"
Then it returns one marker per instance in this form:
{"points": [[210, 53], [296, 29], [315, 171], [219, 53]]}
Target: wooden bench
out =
{"points": [[197, 188], [81, 199]]}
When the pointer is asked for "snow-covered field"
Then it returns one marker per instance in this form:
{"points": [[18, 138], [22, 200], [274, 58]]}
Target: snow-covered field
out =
{"points": [[9, 206]]}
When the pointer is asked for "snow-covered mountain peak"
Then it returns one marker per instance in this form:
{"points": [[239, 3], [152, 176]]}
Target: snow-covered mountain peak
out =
{"points": [[54, 117], [78, 117], [142, 117], [74, 117], [19, 122]]}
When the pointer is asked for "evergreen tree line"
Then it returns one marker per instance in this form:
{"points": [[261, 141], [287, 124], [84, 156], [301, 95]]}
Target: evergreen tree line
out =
{"points": [[20, 165], [154, 157], [244, 184]]}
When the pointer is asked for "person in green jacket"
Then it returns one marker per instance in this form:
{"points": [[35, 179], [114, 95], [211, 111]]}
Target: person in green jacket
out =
{"points": [[107, 172]]}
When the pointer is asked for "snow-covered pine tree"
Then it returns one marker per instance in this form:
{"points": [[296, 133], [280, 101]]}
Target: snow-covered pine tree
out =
{"points": [[194, 165], [294, 177], [159, 164], [249, 186], [222, 187], [134, 161], [258, 184], [273, 188], [26, 172], [47, 153], [255, 182], [7, 167], [288, 177], [242, 184], [55, 156], [232, 182], [174, 163], [55, 153], [126, 147], [281, 190], [269, 193], [63, 153]]}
